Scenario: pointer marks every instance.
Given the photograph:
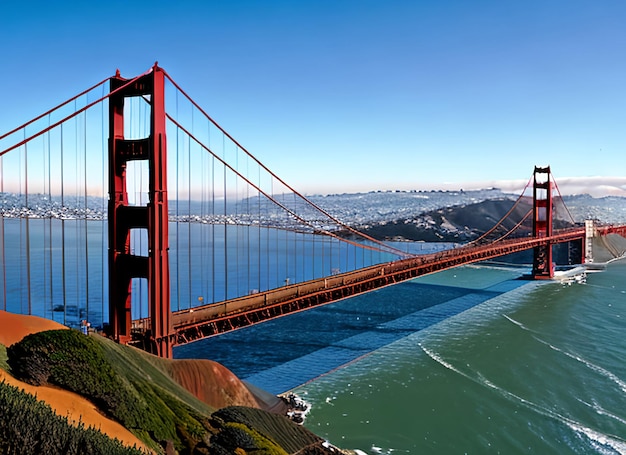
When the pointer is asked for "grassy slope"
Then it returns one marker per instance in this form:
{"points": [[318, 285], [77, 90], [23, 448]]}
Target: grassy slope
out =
{"points": [[137, 366], [133, 387], [118, 379], [28, 417], [29, 426]]}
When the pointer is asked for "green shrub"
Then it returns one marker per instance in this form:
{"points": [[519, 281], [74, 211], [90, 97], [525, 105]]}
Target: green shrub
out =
{"points": [[112, 377], [276, 428], [29, 426], [3, 358], [74, 362]]}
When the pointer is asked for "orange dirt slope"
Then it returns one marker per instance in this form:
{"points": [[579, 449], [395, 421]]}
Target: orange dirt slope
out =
{"points": [[13, 328]]}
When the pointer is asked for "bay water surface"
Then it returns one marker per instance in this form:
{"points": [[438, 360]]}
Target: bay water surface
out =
{"points": [[472, 360]]}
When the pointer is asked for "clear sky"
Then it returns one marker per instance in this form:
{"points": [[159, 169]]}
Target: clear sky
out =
{"points": [[342, 96]]}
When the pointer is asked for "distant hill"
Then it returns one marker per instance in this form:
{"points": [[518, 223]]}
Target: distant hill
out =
{"points": [[449, 224], [459, 224]]}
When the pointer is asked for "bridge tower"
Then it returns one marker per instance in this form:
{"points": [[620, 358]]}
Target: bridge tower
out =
{"points": [[543, 268], [122, 217]]}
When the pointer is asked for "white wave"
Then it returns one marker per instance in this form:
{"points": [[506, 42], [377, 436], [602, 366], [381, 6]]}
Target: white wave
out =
{"points": [[611, 442], [605, 441], [603, 412], [592, 366], [517, 323], [440, 361]]}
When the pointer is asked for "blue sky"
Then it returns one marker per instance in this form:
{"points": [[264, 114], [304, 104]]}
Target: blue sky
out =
{"points": [[342, 96]]}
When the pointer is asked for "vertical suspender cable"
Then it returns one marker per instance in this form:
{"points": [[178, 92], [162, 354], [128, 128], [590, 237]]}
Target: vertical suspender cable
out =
{"points": [[86, 220], [178, 280], [236, 226], [202, 228], [285, 230], [213, 224], [46, 241], [4, 262], [259, 229], [232, 215], [249, 227], [76, 205], [50, 258], [190, 279], [276, 231], [21, 234], [63, 228], [104, 197], [28, 285], [225, 224], [213, 221]]}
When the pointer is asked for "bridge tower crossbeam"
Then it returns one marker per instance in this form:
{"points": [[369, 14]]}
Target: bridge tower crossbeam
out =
{"points": [[122, 217]]}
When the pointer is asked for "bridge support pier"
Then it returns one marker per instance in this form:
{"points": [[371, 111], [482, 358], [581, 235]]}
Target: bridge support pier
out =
{"points": [[543, 267], [122, 217]]}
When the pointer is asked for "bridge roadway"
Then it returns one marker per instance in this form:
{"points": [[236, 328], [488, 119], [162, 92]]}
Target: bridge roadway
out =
{"points": [[213, 319]]}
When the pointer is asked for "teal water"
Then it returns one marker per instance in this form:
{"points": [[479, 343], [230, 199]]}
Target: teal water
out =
{"points": [[539, 369]]}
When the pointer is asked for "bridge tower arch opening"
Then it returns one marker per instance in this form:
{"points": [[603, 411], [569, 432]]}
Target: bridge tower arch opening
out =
{"points": [[543, 266], [124, 266]]}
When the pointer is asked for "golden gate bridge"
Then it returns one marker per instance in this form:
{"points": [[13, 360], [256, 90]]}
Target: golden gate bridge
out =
{"points": [[129, 201]]}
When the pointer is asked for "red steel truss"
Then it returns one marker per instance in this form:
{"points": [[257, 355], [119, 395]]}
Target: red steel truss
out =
{"points": [[209, 320]]}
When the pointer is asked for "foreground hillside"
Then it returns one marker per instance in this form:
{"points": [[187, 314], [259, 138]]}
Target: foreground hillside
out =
{"points": [[157, 405]]}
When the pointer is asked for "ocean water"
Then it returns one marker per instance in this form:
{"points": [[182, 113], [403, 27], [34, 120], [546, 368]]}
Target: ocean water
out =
{"points": [[472, 360], [57, 269], [539, 369]]}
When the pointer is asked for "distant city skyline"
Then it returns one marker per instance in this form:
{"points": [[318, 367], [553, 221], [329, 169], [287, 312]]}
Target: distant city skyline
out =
{"points": [[357, 96]]}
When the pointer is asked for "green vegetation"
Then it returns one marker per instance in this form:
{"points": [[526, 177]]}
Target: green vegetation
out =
{"points": [[134, 393], [29, 426], [137, 366], [3, 358], [257, 431], [240, 438], [135, 389]]}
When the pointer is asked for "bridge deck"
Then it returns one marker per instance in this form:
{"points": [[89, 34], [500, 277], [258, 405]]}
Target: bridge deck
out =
{"points": [[209, 320]]}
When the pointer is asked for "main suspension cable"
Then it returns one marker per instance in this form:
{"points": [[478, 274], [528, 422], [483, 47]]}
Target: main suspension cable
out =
{"points": [[499, 223], [316, 207], [72, 115], [39, 117], [275, 201]]}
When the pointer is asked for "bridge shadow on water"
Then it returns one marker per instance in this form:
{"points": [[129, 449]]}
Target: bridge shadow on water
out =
{"points": [[281, 354]]}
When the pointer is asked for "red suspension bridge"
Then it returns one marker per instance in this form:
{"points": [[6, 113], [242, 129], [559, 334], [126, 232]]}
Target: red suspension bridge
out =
{"points": [[129, 205]]}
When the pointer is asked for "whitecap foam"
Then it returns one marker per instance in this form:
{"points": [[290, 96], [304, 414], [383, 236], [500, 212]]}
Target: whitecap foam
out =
{"points": [[517, 323], [603, 412], [592, 366], [605, 441], [437, 358]]}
